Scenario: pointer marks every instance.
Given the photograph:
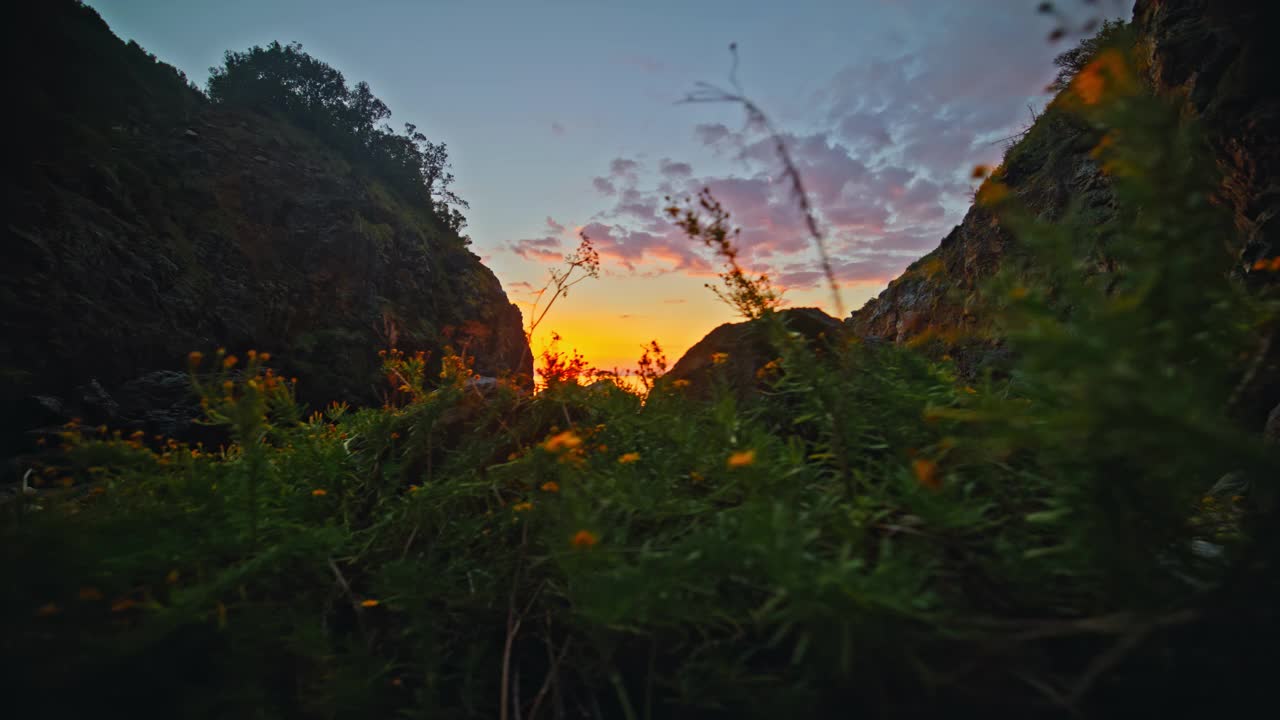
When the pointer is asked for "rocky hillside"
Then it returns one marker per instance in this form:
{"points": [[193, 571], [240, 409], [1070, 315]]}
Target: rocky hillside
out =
{"points": [[144, 222], [1215, 59]]}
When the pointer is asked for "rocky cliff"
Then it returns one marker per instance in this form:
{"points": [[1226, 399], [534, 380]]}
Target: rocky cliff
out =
{"points": [[1215, 58], [144, 222]]}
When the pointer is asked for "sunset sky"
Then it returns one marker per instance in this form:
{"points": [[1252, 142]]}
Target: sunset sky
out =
{"points": [[562, 116]]}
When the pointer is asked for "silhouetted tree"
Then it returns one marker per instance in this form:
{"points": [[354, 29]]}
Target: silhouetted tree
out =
{"points": [[284, 80]]}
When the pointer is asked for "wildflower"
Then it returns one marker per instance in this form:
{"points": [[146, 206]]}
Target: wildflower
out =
{"points": [[979, 172], [319, 492], [584, 539], [992, 193], [696, 476], [522, 507], [172, 577], [679, 384], [90, 593], [926, 472], [1092, 81], [47, 610], [550, 486], [229, 362], [369, 603], [264, 357], [719, 358], [395, 436], [566, 440], [742, 458], [970, 390], [414, 488], [628, 458], [1019, 293], [194, 358]]}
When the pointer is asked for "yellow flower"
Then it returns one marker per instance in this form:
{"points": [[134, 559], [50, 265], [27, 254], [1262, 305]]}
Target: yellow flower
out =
{"points": [[584, 539], [628, 458], [742, 458], [319, 492], [926, 472], [719, 358], [550, 486], [566, 440], [695, 476], [369, 603], [522, 507]]}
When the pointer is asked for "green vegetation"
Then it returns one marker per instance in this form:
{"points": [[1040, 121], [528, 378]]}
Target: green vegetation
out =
{"points": [[873, 533], [313, 95]]}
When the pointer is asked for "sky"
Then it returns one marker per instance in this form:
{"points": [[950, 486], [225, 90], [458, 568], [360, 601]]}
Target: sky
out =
{"points": [[564, 116]]}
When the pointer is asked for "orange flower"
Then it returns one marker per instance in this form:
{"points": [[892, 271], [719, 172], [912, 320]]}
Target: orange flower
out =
{"points": [[229, 362], [319, 492], [719, 358], [992, 193], [695, 476], [566, 440], [628, 458], [584, 539], [979, 172], [742, 458], [264, 357], [1107, 72], [522, 507], [369, 603], [550, 486], [194, 358], [926, 472], [395, 436]]}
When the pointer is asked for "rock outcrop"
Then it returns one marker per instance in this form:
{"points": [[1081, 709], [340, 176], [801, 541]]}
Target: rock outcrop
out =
{"points": [[739, 350], [145, 222], [1216, 59]]}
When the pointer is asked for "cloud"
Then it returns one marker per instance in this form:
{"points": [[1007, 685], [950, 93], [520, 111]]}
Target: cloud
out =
{"points": [[604, 186], [675, 170], [543, 249], [712, 133], [621, 167], [557, 129]]}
